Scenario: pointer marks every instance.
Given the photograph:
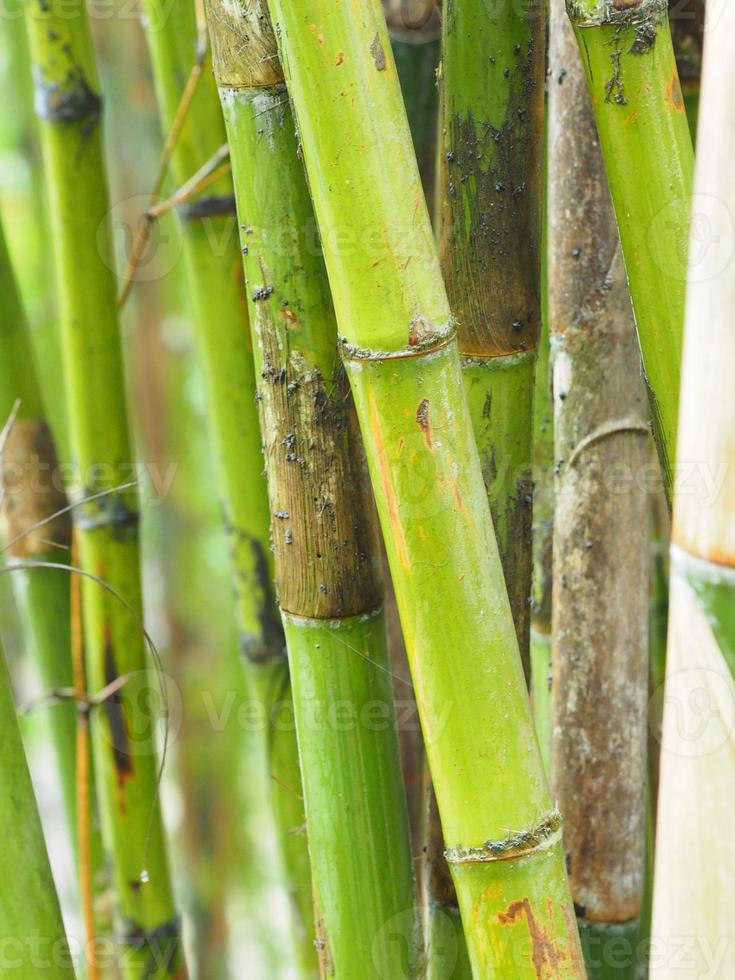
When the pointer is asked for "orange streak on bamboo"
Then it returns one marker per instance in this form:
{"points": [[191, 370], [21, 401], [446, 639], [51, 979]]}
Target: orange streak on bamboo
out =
{"points": [[388, 488]]}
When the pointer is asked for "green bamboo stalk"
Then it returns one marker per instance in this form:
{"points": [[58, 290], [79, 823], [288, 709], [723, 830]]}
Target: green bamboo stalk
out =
{"points": [[188, 553], [32, 932], [123, 730], [404, 367], [687, 32], [31, 495], [492, 91], [642, 126], [600, 569], [214, 277], [695, 860], [26, 222], [324, 529], [417, 50]]}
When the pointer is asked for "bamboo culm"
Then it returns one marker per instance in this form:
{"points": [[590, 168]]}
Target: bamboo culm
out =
{"points": [[642, 125], [68, 105], [695, 860], [403, 363], [600, 571], [30, 496], [215, 280], [324, 528]]}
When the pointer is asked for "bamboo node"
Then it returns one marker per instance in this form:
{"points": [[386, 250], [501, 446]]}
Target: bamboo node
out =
{"points": [[620, 13], [610, 428], [168, 933], [71, 103], [515, 845], [217, 206], [424, 338], [111, 511]]}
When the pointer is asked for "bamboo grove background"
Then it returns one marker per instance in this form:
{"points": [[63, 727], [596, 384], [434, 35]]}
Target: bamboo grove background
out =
{"points": [[470, 502]]}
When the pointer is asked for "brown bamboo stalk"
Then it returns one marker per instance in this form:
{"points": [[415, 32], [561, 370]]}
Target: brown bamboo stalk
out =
{"points": [[600, 561]]}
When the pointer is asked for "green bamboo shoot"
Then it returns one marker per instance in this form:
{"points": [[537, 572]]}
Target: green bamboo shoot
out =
{"points": [[400, 350], [123, 730], [695, 857], [324, 529], [647, 148], [600, 565]]}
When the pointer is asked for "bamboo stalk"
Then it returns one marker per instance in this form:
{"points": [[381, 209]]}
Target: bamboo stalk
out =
{"points": [[214, 278], [32, 931], [31, 495], [696, 860], [600, 548], [639, 109], [86, 861], [26, 221], [324, 530], [492, 92], [404, 368], [415, 35], [123, 731]]}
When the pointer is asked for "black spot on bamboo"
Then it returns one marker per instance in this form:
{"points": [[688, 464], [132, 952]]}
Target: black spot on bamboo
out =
{"points": [[115, 714], [69, 102], [422, 420]]}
